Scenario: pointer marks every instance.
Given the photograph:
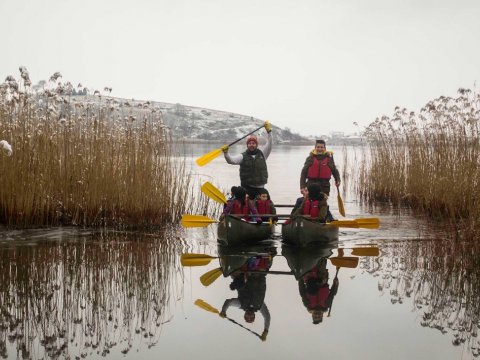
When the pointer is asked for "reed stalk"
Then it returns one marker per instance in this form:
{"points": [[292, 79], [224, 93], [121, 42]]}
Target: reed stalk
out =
{"points": [[86, 160], [428, 161]]}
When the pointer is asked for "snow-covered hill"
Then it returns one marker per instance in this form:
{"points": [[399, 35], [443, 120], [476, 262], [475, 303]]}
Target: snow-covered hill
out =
{"points": [[194, 123]]}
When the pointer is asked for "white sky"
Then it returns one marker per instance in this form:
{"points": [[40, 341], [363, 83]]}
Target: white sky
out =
{"points": [[315, 66]]}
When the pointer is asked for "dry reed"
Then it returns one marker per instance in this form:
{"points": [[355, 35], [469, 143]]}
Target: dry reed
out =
{"points": [[85, 160], [428, 161]]}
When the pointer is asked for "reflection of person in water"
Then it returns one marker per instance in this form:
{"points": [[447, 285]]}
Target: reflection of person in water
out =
{"points": [[316, 294], [251, 289]]}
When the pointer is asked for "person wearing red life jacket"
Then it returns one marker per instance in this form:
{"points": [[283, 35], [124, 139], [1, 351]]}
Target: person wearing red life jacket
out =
{"points": [[319, 167], [314, 204], [265, 205], [317, 296], [239, 204]]}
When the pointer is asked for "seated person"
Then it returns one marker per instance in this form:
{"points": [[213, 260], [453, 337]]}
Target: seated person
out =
{"points": [[304, 192], [238, 204], [315, 204], [265, 205]]}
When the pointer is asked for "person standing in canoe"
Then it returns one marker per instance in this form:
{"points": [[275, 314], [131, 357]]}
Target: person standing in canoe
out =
{"points": [[253, 163], [319, 167]]}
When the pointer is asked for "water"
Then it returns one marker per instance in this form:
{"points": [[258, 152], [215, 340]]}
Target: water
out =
{"points": [[69, 293]]}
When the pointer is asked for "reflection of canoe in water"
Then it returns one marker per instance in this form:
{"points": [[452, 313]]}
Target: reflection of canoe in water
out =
{"points": [[233, 258], [303, 259], [235, 231], [301, 231]]}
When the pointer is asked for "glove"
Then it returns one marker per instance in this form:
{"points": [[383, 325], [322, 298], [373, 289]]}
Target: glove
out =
{"points": [[267, 126], [222, 315], [225, 148], [259, 221], [264, 335]]}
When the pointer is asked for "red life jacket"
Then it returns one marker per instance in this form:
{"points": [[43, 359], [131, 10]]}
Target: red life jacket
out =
{"points": [[319, 300], [319, 169], [238, 209], [311, 207], [263, 206]]}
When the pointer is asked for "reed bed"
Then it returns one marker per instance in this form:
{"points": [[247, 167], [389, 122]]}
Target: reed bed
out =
{"points": [[428, 161], [86, 160], [75, 299], [440, 279]]}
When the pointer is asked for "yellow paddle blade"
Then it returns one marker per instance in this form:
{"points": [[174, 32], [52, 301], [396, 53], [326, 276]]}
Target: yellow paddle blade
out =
{"points": [[341, 209], [195, 262], [366, 223], [206, 306], [348, 262], [196, 220], [195, 259], [210, 276], [205, 159], [213, 193], [370, 251]]}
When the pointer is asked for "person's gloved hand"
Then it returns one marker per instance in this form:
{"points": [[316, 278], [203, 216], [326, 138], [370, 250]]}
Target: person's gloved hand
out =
{"points": [[264, 335], [259, 221], [225, 148], [268, 126], [222, 315]]}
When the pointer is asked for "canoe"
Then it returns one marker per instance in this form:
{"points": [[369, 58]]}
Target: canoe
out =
{"points": [[302, 259], [232, 258], [301, 231], [234, 231]]}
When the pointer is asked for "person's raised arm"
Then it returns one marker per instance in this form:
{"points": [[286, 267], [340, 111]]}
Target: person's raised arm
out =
{"points": [[232, 159], [267, 148]]}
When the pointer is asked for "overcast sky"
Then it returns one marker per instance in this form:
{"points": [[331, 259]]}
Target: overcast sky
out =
{"points": [[315, 66]]}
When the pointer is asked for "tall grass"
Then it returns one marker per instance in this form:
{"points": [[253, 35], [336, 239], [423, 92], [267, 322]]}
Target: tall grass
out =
{"points": [[429, 161], [85, 160]]}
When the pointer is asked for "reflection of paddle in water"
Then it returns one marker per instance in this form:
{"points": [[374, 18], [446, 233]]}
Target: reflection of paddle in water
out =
{"points": [[206, 306]]}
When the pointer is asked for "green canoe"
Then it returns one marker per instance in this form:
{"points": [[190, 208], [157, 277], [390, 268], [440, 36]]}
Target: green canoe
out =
{"points": [[302, 259], [234, 231], [301, 231]]}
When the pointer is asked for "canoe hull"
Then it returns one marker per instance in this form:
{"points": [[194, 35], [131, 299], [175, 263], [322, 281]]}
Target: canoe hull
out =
{"points": [[233, 231], [301, 232]]}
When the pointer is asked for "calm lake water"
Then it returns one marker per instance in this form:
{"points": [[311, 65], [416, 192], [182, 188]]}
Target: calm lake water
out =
{"points": [[66, 293]]}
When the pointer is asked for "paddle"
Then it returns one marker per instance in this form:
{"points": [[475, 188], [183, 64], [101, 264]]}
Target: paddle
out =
{"points": [[206, 306], [210, 276], [341, 209], [193, 259], [330, 310], [205, 159], [202, 221], [213, 193]]}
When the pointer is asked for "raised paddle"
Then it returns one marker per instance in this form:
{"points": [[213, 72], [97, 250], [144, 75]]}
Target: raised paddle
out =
{"points": [[341, 209], [205, 159]]}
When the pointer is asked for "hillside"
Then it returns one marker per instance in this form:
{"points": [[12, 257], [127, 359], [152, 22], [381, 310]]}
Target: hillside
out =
{"points": [[199, 124]]}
